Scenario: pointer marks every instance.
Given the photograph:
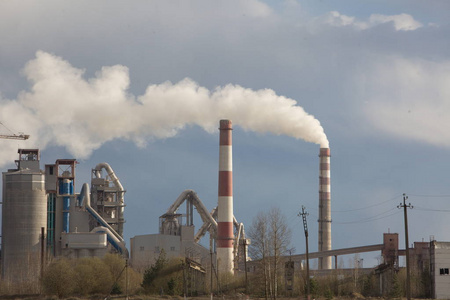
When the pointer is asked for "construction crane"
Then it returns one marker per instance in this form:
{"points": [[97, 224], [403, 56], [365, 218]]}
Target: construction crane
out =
{"points": [[13, 136]]}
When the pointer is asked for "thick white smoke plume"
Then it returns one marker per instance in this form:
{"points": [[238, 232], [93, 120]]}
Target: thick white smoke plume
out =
{"points": [[62, 108]]}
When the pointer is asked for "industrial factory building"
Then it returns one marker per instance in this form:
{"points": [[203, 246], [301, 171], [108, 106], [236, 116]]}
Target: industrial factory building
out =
{"points": [[176, 235], [145, 249], [42, 216]]}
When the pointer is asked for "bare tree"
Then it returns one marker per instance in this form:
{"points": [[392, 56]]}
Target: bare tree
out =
{"points": [[280, 238], [259, 246], [270, 237]]}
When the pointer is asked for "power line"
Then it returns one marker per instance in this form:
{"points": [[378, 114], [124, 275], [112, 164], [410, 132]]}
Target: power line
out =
{"points": [[370, 219], [430, 196], [370, 206], [430, 209], [365, 220], [386, 201], [294, 224], [292, 217]]}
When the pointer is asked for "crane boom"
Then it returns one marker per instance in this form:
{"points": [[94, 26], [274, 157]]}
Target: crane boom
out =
{"points": [[15, 137]]}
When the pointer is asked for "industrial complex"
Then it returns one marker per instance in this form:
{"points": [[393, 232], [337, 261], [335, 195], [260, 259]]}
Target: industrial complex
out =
{"points": [[43, 217]]}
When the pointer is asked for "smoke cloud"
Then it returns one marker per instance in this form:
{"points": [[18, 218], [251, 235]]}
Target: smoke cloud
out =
{"points": [[62, 108]]}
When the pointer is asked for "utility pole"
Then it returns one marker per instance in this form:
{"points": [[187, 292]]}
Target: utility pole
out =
{"points": [[183, 265], [211, 254], [126, 278], [305, 227], [42, 251], [408, 277]]}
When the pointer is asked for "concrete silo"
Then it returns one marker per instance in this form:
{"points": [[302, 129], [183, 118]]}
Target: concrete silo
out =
{"points": [[24, 214]]}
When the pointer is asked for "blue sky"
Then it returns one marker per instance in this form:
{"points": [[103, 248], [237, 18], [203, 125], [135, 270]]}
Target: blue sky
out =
{"points": [[375, 74]]}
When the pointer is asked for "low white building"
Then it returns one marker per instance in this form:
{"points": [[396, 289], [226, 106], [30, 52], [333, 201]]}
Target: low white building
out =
{"points": [[440, 266], [145, 249]]}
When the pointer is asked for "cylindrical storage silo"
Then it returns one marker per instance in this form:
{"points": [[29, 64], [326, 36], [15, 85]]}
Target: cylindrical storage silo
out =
{"points": [[24, 214]]}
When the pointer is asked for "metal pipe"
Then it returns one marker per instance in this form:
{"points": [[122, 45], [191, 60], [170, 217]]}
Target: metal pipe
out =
{"points": [[207, 226], [201, 208]]}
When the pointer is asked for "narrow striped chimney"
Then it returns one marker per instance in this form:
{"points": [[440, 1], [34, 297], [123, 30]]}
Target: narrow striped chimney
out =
{"points": [[225, 235], [324, 207]]}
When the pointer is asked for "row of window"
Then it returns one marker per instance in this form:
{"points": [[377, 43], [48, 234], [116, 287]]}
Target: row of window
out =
{"points": [[156, 249]]}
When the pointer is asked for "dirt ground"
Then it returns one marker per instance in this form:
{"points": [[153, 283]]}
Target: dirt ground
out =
{"points": [[145, 297]]}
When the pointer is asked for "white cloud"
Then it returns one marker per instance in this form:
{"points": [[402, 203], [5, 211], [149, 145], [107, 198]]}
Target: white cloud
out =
{"points": [[410, 99], [337, 19], [255, 8], [402, 22]]}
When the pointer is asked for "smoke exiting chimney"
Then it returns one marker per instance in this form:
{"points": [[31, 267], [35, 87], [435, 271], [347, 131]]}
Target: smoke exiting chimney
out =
{"points": [[225, 235], [324, 207], [161, 112]]}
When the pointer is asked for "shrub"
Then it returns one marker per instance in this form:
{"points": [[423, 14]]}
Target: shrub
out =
{"points": [[88, 276], [92, 276], [58, 279]]}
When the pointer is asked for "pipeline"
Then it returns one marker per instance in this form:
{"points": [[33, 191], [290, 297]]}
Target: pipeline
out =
{"points": [[207, 226], [114, 238], [209, 219], [240, 235], [118, 185], [203, 212], [239, 227]]}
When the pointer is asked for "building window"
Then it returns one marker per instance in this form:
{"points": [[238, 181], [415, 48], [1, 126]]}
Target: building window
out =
{"points": [[172, 248], [443, 271], [156, 249], [141, 248]]}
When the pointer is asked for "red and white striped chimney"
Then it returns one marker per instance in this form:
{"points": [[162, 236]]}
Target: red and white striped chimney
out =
{"points": [[324, 207], [225, 235]]}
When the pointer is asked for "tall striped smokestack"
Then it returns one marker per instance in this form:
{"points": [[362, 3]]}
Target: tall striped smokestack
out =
{"points": [[324, 207], [225, 235]]}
